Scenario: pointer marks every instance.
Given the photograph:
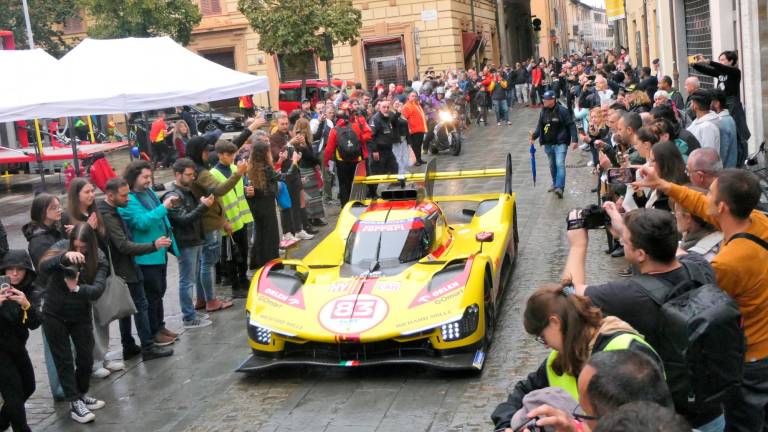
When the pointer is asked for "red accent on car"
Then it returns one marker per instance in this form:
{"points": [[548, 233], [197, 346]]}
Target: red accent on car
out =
{"points": [[268, 289], [426, 295]]}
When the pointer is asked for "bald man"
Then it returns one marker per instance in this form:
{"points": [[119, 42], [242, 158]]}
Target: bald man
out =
{"points": [[703, 166], [691, 85]]}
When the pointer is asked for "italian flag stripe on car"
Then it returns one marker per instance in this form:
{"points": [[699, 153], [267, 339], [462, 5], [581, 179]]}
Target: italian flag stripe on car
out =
{"points": [[349, 363]]}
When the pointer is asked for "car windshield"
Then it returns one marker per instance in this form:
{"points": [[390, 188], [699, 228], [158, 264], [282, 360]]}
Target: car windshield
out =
{"points": [[389, 243]]}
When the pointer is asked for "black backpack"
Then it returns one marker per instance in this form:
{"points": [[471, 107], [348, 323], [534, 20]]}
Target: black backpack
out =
{"points": [[700, 338], [347, 144]]}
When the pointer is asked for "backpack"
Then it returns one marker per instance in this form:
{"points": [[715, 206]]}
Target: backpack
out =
{"points": [[348, 146], [700, 338]]}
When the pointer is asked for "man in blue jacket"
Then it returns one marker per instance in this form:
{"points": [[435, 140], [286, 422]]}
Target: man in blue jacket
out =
{"points": [[554, 130], [147, 219]]}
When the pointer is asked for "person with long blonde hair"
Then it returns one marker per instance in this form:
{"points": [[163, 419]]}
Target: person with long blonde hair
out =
{"points": [[312, 207], [180, 137]]}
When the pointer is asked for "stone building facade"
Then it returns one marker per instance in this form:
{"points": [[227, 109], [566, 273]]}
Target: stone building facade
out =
{"points": [[398, 39]]}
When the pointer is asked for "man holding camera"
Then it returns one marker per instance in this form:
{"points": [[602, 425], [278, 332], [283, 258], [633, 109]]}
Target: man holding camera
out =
{"points": [[741, 272], [650, 245], [554, 130]]}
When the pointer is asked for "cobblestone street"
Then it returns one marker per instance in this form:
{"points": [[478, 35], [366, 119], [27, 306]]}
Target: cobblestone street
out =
{"points": [[197, 389]]}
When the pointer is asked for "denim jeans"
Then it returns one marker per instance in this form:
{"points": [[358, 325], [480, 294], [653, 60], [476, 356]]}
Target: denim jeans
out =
{"points": [[189, 266], [208, 259], [140, 318], [746, 408], [556, 155], [521, 91], [155, 285], [716, 425], [500, 108]]}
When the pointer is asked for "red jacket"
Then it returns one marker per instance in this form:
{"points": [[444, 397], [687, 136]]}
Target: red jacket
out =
{"points": [[536, 76], [363, 132]]}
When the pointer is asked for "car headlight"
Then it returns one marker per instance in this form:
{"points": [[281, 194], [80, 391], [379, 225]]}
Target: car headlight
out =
{"points": [[256, 332], [462, 327], [446, 116]]}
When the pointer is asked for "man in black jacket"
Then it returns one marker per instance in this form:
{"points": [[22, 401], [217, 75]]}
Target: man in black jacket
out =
{"points": [[555, 130], [187, 223], [123, 251], [382, 159]]}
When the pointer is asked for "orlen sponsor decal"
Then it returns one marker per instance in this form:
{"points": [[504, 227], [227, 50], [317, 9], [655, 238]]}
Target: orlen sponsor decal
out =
{"points": [[426, 296], [268, 289], [353, 314]]}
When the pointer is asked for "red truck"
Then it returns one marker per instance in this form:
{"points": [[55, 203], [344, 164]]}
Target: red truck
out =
{"points": [[289, 97]]}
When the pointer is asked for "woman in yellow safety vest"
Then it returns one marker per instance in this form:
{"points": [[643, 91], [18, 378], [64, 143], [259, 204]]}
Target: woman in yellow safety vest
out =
{"points": [[574, 329]]}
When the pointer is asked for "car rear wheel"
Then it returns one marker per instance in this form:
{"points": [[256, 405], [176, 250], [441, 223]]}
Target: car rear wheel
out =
{"points": [[489, 308]]}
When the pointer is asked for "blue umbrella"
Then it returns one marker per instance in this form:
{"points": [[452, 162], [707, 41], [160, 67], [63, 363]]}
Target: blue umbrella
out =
{"points": [[532, 150]]}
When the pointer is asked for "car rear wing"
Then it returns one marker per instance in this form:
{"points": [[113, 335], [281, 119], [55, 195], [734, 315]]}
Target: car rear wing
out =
{"points": [[427, 178]]}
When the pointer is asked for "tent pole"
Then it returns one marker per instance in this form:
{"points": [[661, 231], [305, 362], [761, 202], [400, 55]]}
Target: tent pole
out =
{"points": [[38, 152], [73, 139]]}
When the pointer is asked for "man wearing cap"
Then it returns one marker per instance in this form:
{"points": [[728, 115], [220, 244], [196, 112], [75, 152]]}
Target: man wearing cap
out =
{"points": [[554, 130]]}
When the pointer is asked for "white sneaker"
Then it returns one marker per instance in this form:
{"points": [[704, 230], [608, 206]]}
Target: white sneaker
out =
{"points": [[80, 413], [288, 237], [303, 235], [100, 372], [202, 316], [590, 164], [92, 403], [498, 123], [114, 365]]}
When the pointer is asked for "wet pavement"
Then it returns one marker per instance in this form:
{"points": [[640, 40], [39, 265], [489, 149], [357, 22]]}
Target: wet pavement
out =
{"points": [[197, 389]]}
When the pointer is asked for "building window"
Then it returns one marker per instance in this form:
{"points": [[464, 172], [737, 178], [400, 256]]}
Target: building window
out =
{"points": [[73, 25], [554, 17], [210, 7], [294, 67]]}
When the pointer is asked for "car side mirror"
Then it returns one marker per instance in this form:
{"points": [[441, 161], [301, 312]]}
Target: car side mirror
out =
{"points": [[484, 237]]}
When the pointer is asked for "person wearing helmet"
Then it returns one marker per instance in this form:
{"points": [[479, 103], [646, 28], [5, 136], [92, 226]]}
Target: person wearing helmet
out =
{"points": [[554, 130]]}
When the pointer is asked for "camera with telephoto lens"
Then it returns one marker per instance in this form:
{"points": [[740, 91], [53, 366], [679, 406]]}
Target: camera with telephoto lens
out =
{"points": [[592, 217], [71, 271]]}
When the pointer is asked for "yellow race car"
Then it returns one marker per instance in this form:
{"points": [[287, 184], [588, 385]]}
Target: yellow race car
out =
{"points": [[405, 278]]}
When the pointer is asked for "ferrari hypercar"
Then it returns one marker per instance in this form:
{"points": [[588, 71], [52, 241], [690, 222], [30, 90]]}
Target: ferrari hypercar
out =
{"points": [[406, 277]]}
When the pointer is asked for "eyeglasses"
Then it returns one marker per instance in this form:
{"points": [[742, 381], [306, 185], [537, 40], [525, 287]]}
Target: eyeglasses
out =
{"points": [[55, 208], [578, 414]]}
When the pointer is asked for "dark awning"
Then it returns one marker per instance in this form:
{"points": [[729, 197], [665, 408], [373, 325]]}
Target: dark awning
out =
{"points": [[470, 41]]}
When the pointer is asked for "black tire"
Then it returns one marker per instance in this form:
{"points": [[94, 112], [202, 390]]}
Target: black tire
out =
{"points": [[489, 311], [456, 140], [515, 234]]}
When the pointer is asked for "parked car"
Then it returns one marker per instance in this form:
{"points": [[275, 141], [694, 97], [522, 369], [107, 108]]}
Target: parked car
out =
{"points": [[226, 121]]}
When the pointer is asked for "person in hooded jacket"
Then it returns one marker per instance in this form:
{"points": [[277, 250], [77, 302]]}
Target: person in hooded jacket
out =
{"points": [[43, 230], [19, 302], [333, 159], [575, 330], [77, 271]]}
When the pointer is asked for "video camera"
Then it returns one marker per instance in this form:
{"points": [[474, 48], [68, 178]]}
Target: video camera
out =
{"points": [[592, 217]]}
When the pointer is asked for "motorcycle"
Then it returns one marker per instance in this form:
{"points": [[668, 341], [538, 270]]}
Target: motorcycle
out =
{"points": [[447, 134]]}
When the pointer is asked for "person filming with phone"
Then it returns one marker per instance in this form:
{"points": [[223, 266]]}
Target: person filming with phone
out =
{"points": [[19, 302]]}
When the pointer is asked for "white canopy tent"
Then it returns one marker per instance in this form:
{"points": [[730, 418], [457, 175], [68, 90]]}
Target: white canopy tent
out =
{"points": [[25, 72], [123, 75]]}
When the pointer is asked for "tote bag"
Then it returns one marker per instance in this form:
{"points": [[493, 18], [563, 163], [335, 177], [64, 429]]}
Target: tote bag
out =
{"points": [[283, 197], [116, 302]]}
